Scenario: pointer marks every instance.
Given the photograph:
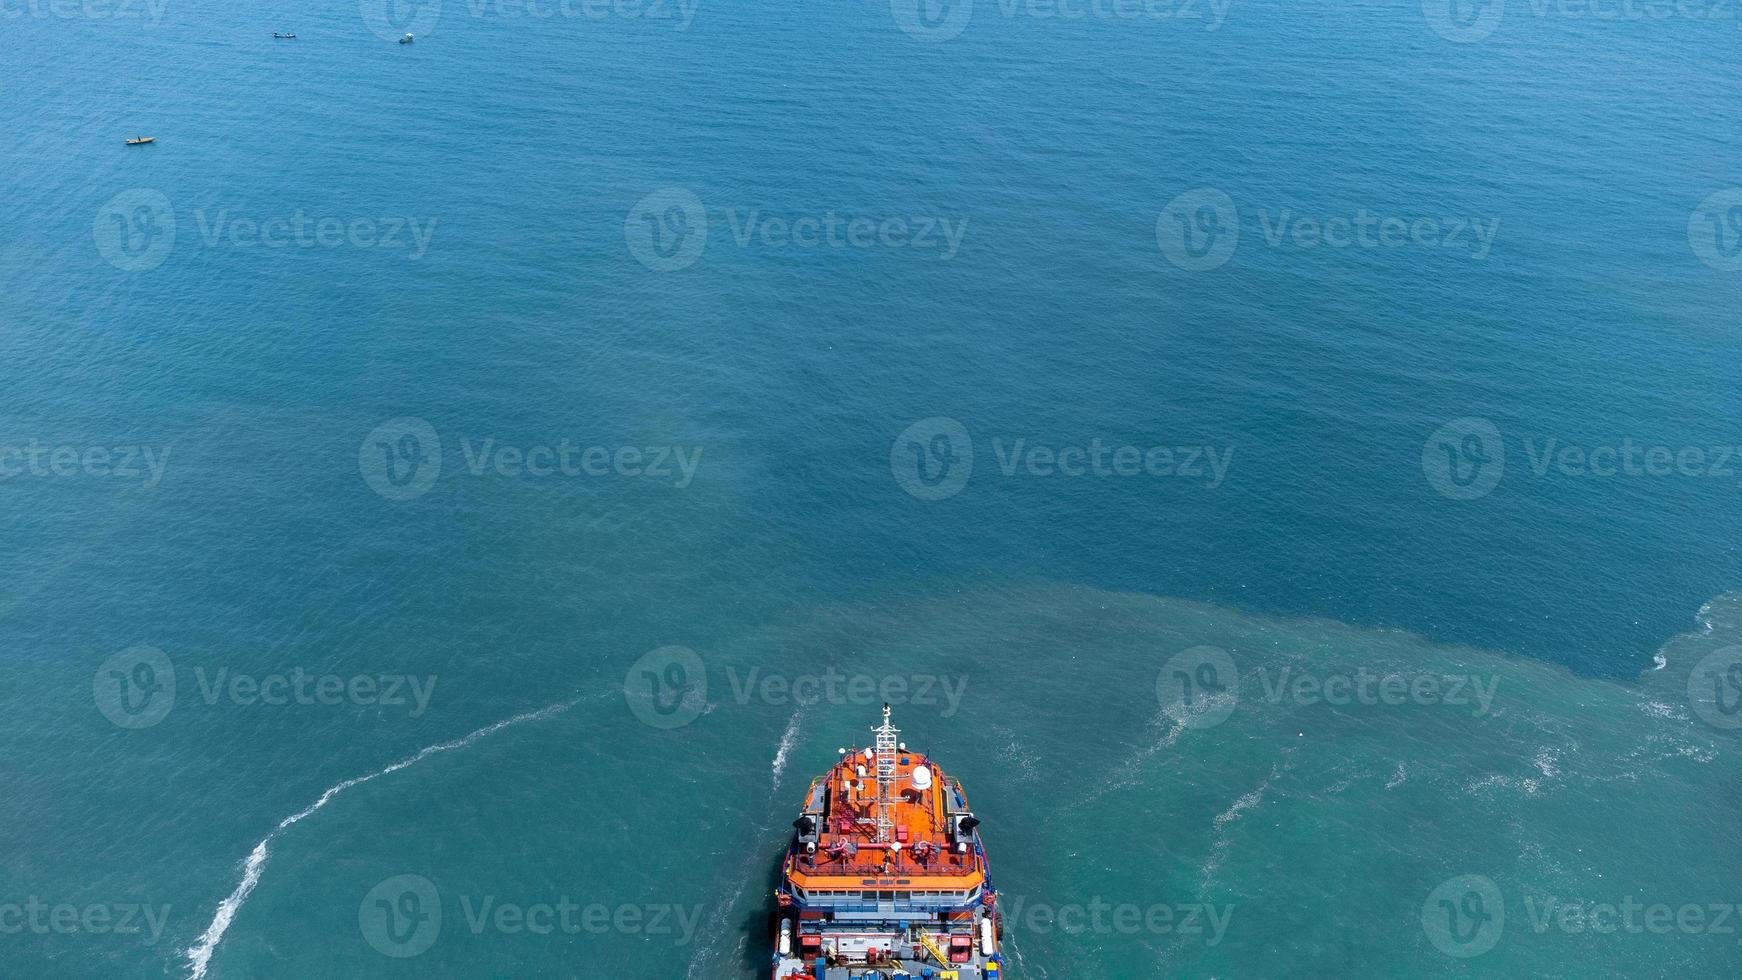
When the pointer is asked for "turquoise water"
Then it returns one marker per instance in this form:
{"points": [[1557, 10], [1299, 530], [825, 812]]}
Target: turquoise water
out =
{"points": [[577, 231]]}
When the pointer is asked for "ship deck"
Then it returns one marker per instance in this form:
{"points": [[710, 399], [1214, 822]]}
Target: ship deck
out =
{"points": [[974, 969], [845, 803]]}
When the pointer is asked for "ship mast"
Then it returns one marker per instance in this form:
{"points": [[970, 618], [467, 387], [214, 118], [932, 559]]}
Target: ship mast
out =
{"points": [[886, 749]]}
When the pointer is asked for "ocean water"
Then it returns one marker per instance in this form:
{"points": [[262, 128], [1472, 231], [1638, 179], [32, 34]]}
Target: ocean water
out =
{"points": [[1390, 340]]}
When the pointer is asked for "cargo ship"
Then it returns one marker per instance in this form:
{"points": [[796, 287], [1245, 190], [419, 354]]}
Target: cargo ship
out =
{"points": [[886, 876]]}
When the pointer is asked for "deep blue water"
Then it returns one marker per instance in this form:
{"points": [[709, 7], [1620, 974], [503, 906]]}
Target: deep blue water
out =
{"points": [[526, 148]]}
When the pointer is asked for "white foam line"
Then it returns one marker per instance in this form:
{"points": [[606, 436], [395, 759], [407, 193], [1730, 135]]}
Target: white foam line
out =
{"points": [[200, 954], [786, 743]]}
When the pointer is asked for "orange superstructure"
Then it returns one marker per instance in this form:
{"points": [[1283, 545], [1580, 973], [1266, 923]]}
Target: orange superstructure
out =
{"points": [[886, 872]]}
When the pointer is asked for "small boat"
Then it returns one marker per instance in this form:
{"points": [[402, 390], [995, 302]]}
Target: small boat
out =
{"points": [[407, 39], [287, 37], [141, 140]]}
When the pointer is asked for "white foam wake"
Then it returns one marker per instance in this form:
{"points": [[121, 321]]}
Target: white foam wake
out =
{"points": [[708, 949], [200, 953], [787, 741]]}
